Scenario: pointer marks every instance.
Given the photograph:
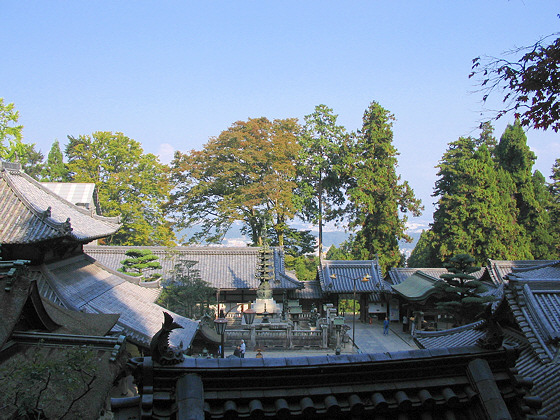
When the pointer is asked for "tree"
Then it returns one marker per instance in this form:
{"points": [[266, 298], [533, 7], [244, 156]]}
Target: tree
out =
{"points": [[131, 184], [423, 253], [514, 155], [33, 389], [554, 204], [10, 131], [305, 266], [55, 169], [296, 242], [530, 82], [378, 199], [247, 173], [12, 147], [460, 292], [186, 293], [343, 252], [141, 262], [319, 182], [475, 213]]}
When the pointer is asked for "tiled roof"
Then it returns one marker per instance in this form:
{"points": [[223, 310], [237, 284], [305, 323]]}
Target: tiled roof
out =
{"points": [[84, 285], [30, 213], [311, 290], [466, 335], [463, 383], [345, 272], [399, 274], [534, 308], [417, 287], [78, 193], [497, 270], [224, 268]]}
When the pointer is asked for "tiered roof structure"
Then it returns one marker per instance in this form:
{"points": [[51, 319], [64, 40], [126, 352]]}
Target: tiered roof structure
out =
{"points": [[38, 225], [35, 329], [530, 315]]}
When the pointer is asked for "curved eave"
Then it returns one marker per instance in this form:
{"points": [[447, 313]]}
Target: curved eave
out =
{"points": [[31, 213]]}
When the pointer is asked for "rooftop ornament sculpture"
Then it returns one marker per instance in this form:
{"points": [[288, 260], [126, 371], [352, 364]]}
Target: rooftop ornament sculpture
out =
{"points": [[161, 352], [494, 336]]}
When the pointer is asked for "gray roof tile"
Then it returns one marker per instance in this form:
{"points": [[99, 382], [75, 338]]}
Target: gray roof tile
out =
{"points": [[225, 268], [30, 212], [85, 285]]}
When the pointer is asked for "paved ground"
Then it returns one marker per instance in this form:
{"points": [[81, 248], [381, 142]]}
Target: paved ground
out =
{"points": [[369, 339]]}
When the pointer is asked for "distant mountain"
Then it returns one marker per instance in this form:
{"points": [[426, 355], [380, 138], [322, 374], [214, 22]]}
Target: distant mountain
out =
{"points": [[332, 237]]}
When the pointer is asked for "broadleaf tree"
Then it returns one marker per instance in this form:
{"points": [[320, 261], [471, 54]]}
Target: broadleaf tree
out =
{"points": [[245, 174], [528, 81], [130, 183], [185, 293], [12, 147], [320, 186]]}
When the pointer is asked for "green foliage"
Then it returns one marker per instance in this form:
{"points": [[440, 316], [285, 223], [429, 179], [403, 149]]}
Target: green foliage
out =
{"points": [[47, 386], [186, 293], [12, 147], [423, 253], [514, 155], [344, 252], [130, 184], [378, 199], [305, 266], [55, 169], [554, 204], [247, 173], [475, 212], [348, 306], [529, 83], [140, 263], [10, 132], [320, 192], [459, 293], [296, 242]]}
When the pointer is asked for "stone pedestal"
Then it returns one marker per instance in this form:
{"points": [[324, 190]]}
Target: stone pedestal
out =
{"points": [[269, 304]]}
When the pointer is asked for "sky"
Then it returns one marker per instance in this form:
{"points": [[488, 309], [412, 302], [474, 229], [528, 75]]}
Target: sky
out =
{"points": [[172, 74]]}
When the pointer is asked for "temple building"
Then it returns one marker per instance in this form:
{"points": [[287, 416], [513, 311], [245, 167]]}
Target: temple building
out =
{"points": [[38, 225]]}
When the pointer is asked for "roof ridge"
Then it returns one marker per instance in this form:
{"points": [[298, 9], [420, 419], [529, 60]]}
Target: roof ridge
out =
{"points": [[37, 184], [45, 215]]}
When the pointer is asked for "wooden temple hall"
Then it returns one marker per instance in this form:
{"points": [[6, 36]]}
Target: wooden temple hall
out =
{"points": [[60, 293]]}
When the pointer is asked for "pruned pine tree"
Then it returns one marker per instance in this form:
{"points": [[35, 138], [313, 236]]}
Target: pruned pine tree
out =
{"points": [[141, 263], [460, 293]]}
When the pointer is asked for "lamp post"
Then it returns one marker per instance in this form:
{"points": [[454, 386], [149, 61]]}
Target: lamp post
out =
{"points": [[364, 279], [220, 325]]}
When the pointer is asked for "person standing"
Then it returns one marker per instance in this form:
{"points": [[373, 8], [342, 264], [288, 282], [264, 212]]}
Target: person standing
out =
{"points": [[386, 326], [242, 349]]}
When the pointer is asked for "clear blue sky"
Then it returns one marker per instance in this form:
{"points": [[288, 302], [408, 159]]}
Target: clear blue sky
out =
{"points": [[171, 74]]}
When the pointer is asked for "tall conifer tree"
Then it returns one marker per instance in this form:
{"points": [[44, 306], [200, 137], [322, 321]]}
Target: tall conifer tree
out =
{"points": [[378, 198], [514, 155], [475, 213], [55, 170]]}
